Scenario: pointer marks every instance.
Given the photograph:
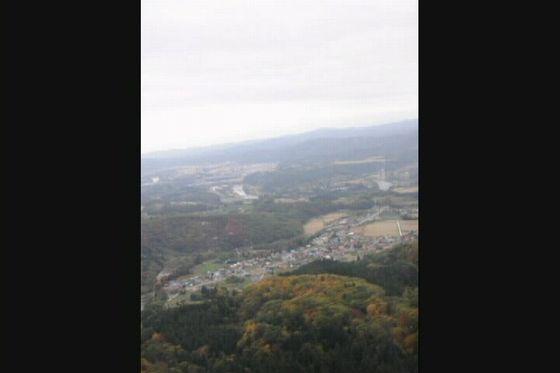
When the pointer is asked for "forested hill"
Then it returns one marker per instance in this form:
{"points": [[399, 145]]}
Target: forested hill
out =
{"points": [[394, 139], [395, 270], [297, 323]]}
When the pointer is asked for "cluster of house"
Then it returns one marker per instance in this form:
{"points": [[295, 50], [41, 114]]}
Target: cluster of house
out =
{"points": [[337, 242]]}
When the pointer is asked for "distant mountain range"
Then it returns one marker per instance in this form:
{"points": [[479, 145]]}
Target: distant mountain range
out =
{"points": [[325, 144]]}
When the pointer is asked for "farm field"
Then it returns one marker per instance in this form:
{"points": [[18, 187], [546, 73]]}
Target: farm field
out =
{"points": [[406, 190], [409, 225], [387, 228], [361, 161], [316, 224], [379, 228], [204, 267]]}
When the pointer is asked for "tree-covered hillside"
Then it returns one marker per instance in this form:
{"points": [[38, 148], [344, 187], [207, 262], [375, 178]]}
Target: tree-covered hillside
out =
{"points": [[395, 270], [297, 323], [394, 140]]}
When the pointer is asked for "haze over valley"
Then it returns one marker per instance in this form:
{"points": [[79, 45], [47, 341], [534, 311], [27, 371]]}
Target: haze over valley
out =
{"points": [[232, 232]]}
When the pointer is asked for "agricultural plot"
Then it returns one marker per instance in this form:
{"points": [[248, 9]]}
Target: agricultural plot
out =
{"points": [[362, 161], [404, 190], [379, 228], [205, 267], [409, 225], [316, 224], [387, 228]]}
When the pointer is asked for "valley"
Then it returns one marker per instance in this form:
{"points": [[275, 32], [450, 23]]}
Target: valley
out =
{"points": [[224, 225]]}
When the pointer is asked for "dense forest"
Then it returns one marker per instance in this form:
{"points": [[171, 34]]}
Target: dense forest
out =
{"points": [[325, 317], [292, 179], [395, 270]]}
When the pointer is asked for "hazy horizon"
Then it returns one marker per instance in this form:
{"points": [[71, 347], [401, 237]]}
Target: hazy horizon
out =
{"points": [[217, 72], [263, 138]]}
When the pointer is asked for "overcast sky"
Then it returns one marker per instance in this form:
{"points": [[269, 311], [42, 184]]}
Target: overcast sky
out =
{"points": [[216, 71]]}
